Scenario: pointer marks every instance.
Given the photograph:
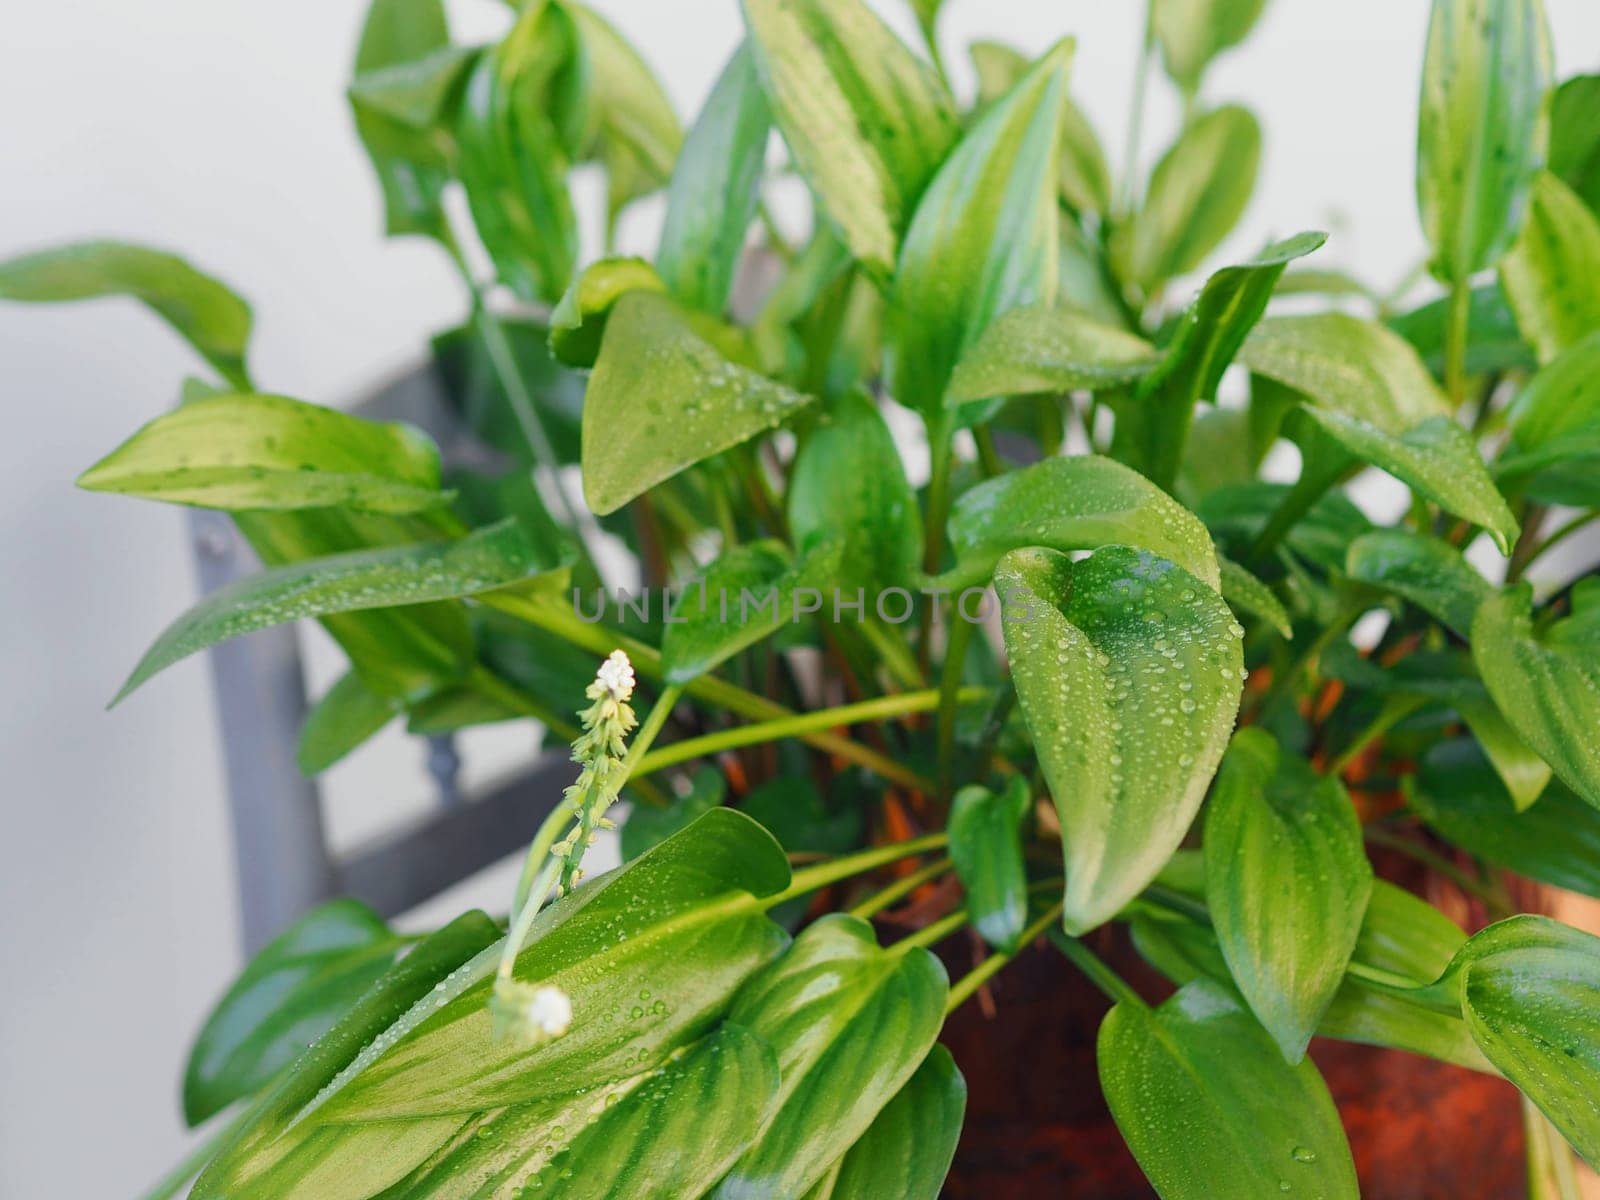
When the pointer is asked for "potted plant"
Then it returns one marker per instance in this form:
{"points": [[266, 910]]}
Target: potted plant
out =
{"points": [[1088, 701]]}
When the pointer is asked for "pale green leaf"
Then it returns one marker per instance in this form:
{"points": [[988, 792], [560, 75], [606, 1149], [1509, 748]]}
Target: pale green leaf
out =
{"points": [[1193, 32], [1427, 571], [1040, 350], [1551, 274], [1554, 452], [347, 715], [1248, 596]]}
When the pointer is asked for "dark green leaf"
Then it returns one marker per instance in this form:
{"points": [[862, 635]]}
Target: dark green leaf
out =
{"points": [[850, 1023], [984, 238], [663, 398], [647, 827], [1546, 683], [578, 322], [1427, 571], [489, 558], [1079, 503], [1575, 137], [1237, 514], [206, 313], [866, 120], [1551, 274], [1211, 1110], [1554, 454], [792, 810], [1367, 389], [848, 481], [1287, 882], [1129, 671], [1197, 194], [347, 715], [1482, 130], [1193, 32], [906, 1151], [986, 847], [1494, 343], [1248, 596], [1556, 841], [715, 188], [1044, 350], [289, 996], [243, 452]]}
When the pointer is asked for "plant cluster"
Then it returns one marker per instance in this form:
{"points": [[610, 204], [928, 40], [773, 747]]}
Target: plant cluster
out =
{"points": [[1170, 726]]}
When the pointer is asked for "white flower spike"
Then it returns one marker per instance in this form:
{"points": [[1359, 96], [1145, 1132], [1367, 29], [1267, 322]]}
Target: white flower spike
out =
{"points": [[529, 1013], [616, 677]]}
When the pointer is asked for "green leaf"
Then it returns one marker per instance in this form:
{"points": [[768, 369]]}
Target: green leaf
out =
{"points": [[1129, 671], [347, 715], [1248, 596], [1547, 683], [1554, 453], [1575, 137], [1079, 503], [1482, 130], [1529, 988], [428, 966], [240, 452], [486, 559], [1287, 882], [663, 398], [405, 69], [1211, 1110], [1427, 571], [1155, 424], [1556, 841], [1193, 32], [289, 995], [984, 238], [715, 189], [669, 1132], [578, 322], [986, 847], [866, 120], [513, 159], [1039, 350], [1197, 194], [850, 1023], [848, 481], [682, 923], [1367, 390], [1236, 515], [792, 810], [1551, 274], [206, 313], [647, 827], [907, 1150]]}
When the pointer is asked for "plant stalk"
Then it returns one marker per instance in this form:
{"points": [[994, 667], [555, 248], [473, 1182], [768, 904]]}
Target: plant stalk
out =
{"points": [[815, 878], [899, 889], [964, 988], [1116, 989]]}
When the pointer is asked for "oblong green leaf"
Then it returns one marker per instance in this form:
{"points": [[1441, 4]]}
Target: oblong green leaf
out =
{"points": [[1044, 350], [1575, 136], [255, 452], [486, 559], [850, 1023], [1482, 130], [1287, 883], [1248, 596], [1129, 671], [1198, 192], [663, 398], [743, 596], [578, 322], [1546, 684], [1210, 1109], [288, 996], [986, 848], [1079, 503], [866, 120], [1427, 571], [907, 1150], [1368, 390], [1551, 274], [715, 187], [984, 237], [1193, 32], [1556, 840], [347, 715], [206, 313], [1554, 453]]}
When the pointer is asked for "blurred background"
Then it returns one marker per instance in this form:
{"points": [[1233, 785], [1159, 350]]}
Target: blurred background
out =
{"points": [[220, 131]]}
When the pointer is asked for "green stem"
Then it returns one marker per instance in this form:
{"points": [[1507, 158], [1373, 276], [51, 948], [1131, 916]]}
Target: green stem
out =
{"points": [[955, 658], [1102, 976], [1455, 343], [932, 935], [170, 1184], [1296, 503], [1283, 685], [878, 709], [812, 879], [1517, 568], [963, 989], [941, 439], [896, 655], [553, 618], [899, 889]]}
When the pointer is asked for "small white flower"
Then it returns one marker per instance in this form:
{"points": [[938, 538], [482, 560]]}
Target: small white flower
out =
{"points": [[529, 1012], [616, 676]]}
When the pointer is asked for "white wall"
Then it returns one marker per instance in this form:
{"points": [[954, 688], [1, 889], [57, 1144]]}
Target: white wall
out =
{"points": [[219, 129]]}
